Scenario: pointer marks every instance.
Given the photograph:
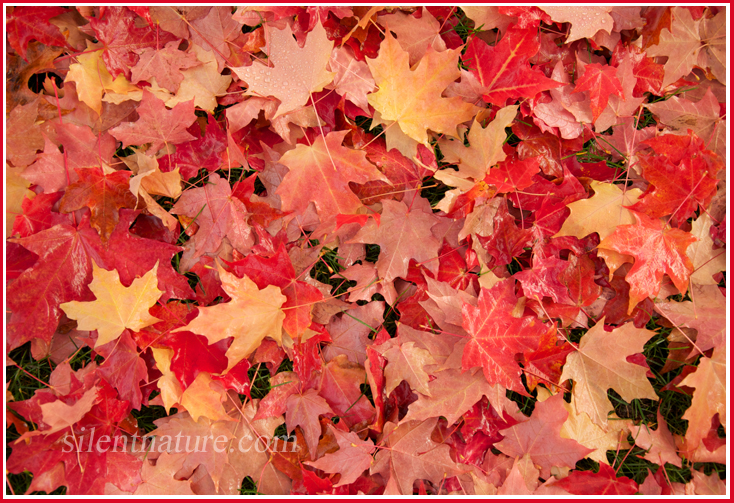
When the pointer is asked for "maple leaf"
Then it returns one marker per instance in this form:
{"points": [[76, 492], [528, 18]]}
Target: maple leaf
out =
{"points": [[702, 117], [513, 174], [104, 194], [405, 362], [249, 317], [600, 363], [296, 73], [168, 385], [352, 458], [84, 148], [32, 23], [545, 423], [506, 240], [116, 307], [414, 35], [122, 39], [204, 152], [603, 482], [545, 364], [157, 125], [657, 251], [444, 303], [303, 409], [601, 81], [403, 234], [705, 313], [278, 270], [218, 30], [202, 83], [452, 393], [37, 215], [61, 274], [709, 397], [218, 214], [411, 455], [227, 468], [16, 190], [93, 80], [352, 78], [163, 65], [713, 37], [137, 76], [675, 189], [424, 108], [621, 106], [321, 173], [505, 69], [627, 140], [123, 367], [204, 397], [20, 70], [59, 415], [350, 331], [681, 43], [485, 146], [497, 336], [132, 256], [522, 479]]}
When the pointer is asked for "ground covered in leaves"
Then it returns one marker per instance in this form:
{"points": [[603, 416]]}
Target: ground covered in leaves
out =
{"points": [[368, 250]]}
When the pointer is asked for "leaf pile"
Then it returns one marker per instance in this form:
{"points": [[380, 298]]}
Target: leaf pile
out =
{"points": [[373, 250]]}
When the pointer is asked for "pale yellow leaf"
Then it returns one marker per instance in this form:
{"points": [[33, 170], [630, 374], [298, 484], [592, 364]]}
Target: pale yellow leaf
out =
{"points": [[117, 307], [249, 317], [603, 212]]}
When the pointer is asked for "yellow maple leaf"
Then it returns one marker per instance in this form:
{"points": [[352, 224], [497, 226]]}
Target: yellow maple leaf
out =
{"points": [[485, 146], [93, 80], [117, 307], [251, 316], [204, 398], [423, 107], [202, 83], [603, 212]]}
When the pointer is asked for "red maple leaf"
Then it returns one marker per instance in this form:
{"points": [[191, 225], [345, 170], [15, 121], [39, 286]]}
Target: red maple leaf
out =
{"points": [[103, 194], [505, 69], [497, 336], [157, 125], [61, 274], [24, 24], [122, 38], [601, 81], [657, 251]]}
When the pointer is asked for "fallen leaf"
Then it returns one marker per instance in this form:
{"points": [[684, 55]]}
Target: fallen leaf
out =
{"points": [[601, 363], [116, 307]]}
